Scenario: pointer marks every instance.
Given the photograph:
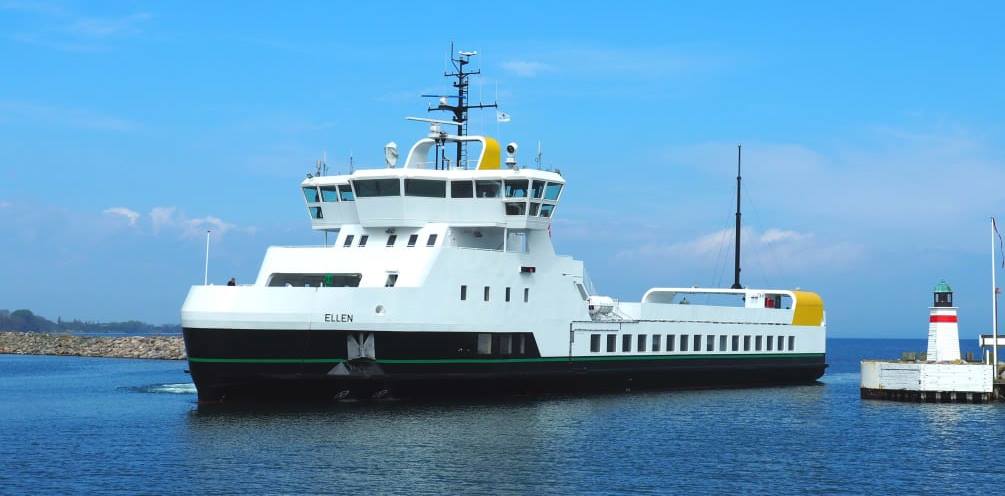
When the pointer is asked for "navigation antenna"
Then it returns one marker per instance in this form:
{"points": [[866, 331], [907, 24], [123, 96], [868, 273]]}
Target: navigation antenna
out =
{"points": [[736, 258], [461, 107]]}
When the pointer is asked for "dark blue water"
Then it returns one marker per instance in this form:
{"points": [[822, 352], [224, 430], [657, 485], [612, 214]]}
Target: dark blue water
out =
{"points": [[76, 425]]}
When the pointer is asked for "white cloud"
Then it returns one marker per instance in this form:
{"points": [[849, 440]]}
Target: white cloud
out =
{"points": [[131, 216], [525, 68], [170, 219]]}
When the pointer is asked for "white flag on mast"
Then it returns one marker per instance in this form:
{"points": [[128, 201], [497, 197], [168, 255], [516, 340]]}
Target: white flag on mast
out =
{"points": [[502, 117]]}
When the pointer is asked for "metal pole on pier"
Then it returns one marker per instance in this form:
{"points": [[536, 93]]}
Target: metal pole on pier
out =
{"points": [[205, 271]]}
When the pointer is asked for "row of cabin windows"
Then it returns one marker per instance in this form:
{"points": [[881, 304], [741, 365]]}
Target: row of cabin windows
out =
{"points": [[685, 342], [502, 344], [434, 188], [391, 240], [486, 293]]}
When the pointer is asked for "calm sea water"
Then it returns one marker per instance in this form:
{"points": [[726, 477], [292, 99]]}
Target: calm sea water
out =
{"points": [[76, 425]]}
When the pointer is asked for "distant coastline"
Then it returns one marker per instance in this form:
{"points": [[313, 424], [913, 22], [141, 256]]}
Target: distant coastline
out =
{"points": [[41, 343], [27, 321]]}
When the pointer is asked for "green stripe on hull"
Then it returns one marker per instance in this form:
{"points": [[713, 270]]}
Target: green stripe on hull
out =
{"points": [[511, 360]]}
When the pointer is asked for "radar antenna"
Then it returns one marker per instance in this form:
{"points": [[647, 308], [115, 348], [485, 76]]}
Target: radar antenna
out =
{"points": [[461, 106]]}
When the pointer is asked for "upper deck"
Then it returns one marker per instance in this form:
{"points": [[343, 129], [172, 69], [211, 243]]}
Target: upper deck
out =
{"points": [[413, 196]]}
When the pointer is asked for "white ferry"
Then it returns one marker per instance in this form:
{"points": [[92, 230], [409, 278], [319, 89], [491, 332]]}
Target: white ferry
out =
{"points": [[442, 279]]}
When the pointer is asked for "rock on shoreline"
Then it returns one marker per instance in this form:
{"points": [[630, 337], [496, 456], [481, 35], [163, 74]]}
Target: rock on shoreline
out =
{"points": [[37, 343]]}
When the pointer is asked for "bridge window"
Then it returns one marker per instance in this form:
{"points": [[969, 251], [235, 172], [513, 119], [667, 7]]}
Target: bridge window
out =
{"points": [[595, 343], [461, 189], [345, 193], [535, 208], [315, 212], [311, 194], [412, 239], [363, 239], [377, 187], [391, 239], [612, 343], [516, 188], [546, 210], [348, 241], [552, 191], [315, 280], [425, 187], [488, 189], [516, 208], [536, 189], [329, 193], [431, 241]]}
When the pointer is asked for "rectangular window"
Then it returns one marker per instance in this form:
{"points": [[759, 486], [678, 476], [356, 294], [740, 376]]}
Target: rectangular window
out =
{"points": [[315, 280], [506, 344], [367, 188], [546, 210], [345, 192], [535, 209], [757, 342], [722, 343], [311, 194], [736, 343], [486, 293], [507, 294], [516, 208], [488, 189], [697, 342], [683, 342], [656, 342], [771, 340], [363, 239], [709, 343], [537, 189], [552, 191], [641, 343], [392, 279], [412, 239], [516, 188], [329, 193], [671, 341], [612, 343], [526, 295], [746, 343], [484, 344], [461, 189], [431, 241], [391, 239], [781, 343], [626, 343], [429, 188], [348, 241], [522, 345], [464, 292], [792, 343], [595, 343], [315, 213]]}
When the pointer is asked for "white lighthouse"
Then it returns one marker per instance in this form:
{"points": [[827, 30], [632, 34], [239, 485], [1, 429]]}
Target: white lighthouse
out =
{"points": [[943, 330]]}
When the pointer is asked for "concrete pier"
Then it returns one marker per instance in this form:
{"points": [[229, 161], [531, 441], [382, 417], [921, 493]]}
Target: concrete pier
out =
{"points": [[948, 382]]}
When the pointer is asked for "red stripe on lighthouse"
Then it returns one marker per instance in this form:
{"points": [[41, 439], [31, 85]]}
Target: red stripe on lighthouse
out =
{"points": [[942, 318]]}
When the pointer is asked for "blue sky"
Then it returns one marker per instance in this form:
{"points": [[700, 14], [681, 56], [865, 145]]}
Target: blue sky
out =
{"points": [[873, 140]]}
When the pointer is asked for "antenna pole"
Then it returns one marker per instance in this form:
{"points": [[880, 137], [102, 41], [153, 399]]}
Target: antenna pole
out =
{"points": [[736, 252], [205, 270], [461, 107], [994, 302]]}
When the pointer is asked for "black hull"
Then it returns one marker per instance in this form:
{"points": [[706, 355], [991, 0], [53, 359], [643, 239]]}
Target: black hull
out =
{"points": [[261, 365]]}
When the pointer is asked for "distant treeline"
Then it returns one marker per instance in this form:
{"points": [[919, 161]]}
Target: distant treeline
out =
{"points": [[25, 320]]}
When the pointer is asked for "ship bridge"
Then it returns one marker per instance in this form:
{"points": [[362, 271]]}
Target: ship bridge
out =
{"points": [[428, 191]]}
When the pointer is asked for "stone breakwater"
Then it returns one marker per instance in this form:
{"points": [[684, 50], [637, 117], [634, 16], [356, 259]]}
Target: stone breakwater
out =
{"points": [[37, 343]]}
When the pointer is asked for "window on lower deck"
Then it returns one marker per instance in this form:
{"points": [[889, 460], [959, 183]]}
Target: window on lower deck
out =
{"points": [[642, 343], [792, 343], [526, 295], [363, 239], [507, 294], [710, 343], [722, 343], [391, 239], [392, 279], [736, 343], [595, 343], [671, 341], [697, 342], [656, 342], [746, 343], [315, 280], [431, 240], [348, 241], [464, 292], [683, 342], [486, 293], [612, 343], [757, 342], [626, 343], [781, 343], [414, 238], [771, 340], [484, 344], [505, 344]]}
